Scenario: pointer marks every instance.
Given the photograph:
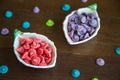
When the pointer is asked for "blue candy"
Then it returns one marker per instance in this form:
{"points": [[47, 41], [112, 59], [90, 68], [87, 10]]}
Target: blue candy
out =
{"points": [[66, 7], [75, 73], [117, 50], [3, 69], [26, 24], [8, 14]]}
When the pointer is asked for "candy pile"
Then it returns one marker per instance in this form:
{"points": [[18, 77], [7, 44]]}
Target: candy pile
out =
{"points": [[34, 51], [81, 26]]}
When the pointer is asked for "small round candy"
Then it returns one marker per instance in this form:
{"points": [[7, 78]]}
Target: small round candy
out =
{"points": [[3, 69], [117, 50], [50, 23], [8, 14], [66, 7], [84, 1], [95, 78], [36, 9], [100, 62], [5, 31], [93, 23], [26, 24], [75, 73]]}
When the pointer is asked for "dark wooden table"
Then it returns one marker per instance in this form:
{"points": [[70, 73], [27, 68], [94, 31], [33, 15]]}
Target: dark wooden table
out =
{"points": [[80, 56]]}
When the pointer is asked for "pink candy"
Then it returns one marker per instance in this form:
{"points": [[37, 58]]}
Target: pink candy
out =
{"points": [[34, 51]]}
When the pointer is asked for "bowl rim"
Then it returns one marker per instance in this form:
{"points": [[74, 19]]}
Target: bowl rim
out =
{"points": [[81, 10], [51, 43]]}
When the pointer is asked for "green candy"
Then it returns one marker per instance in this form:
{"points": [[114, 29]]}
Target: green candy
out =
{"points": [[95, 78], [50, 23]]}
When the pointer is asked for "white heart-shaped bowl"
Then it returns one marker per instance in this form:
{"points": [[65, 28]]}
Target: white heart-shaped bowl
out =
{"points": [[43, 38], [65, 23]]}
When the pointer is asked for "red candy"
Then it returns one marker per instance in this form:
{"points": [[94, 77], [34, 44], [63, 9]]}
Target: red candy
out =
{"points": [[34, 51]]}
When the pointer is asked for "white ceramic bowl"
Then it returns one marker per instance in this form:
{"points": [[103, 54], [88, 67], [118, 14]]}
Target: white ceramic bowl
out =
{"points": [[81, 10], [43, 38]]}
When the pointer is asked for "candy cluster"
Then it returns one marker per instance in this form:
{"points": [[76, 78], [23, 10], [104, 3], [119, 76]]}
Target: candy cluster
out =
{"points": [[34, 51], [81, 26]]}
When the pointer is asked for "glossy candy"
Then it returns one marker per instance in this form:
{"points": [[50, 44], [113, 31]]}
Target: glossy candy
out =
{"points": [[100, 62], [5, 31], [50, 23], [84, 1], [66, 7], [3, 69], [75, 73], [95, 78], [93, 22], [8, 14], [26, 24], [75, 38], [117, 51], [81, 26], [36, 9], [34, 51]]}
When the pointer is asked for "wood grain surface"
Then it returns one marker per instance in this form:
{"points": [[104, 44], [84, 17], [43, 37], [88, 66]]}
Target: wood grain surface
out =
{"points": [[80, 56]]}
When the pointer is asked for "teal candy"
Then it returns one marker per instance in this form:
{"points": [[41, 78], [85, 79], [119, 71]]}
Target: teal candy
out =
{"points": [[26, 24], [66, 7], [75, 73], [117, 50], [8, 14], [3, 69]]}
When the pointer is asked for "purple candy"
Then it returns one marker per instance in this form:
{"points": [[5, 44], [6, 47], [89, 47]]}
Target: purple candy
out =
{"points": [[88, 28], [92, 15], [83, 19], [92, 31], [71, 18], [5, 31], [86, 35], [75, 38], [93, 23], [36, 9], [77, 21], [81, 26], [84, 1], [69, 28], [100, 62], [81, 37], [80, 30], [73, 25], [71, 33]]}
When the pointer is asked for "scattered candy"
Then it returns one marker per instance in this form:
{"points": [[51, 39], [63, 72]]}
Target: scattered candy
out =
{"points": [[8, 14], [75, 73], [50, 23], [34, 51], [3, 69], [84, 1], [81, 26], [95, 78], [66, 7], [100, 62], [5, 31], [36, 9], [117, 50], [26, 24]]}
